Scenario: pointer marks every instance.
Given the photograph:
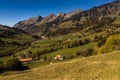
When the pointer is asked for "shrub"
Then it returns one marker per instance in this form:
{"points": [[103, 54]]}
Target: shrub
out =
{"points": [[81, 42], [71, 56], [85, 52], [112, 43], [86, 41], [45, 58], [10, 63], [2, 42]]}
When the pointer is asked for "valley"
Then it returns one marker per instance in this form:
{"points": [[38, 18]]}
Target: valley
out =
{"points": [[80, 45]]}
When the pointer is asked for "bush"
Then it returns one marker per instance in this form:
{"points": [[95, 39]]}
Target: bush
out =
{"points": [[112, 43], [81, 42], [101, 41], [7, 53], [45, 58], [85, 52], [2, 42], [10, 63], [71, 56], [86, 41], [36, 36]]}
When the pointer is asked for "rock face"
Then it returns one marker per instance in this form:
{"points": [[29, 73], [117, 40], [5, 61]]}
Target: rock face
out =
{"points": [[106, 10], [92, 16], [46, 19], [69, 15], [29, 22]]}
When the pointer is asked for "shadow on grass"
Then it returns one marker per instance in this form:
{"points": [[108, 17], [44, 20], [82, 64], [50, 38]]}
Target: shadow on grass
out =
{"points": [[24, 69]]}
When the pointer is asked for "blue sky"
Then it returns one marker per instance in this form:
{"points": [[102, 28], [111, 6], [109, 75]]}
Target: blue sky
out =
{"points": [[12, 11]]}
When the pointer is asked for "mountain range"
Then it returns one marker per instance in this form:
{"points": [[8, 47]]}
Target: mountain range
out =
{"points": [[78, 18], [64, 23]]}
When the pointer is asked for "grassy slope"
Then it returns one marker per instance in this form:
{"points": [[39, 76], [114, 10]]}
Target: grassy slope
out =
{"points": [[36, 47], [64, 52], [101, 67], [21, 38], [69, 51]]}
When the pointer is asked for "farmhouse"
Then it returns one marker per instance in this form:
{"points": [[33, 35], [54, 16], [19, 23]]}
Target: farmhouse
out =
{"points": [[58, 57], [26, 60]]}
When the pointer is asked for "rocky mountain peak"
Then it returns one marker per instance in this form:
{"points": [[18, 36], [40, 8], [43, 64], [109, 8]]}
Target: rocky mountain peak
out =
{"points": [[61, 14]]}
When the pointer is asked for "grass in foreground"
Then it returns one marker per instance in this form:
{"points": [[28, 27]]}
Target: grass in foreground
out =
{"points": [[100, 67]]}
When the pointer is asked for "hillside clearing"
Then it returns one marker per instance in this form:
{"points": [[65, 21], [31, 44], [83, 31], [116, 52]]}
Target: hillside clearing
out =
{"points": [[70, 51]]}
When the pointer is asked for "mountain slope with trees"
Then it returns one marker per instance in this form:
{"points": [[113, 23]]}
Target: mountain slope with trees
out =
{"points": [[75, 20], [13, 40]]}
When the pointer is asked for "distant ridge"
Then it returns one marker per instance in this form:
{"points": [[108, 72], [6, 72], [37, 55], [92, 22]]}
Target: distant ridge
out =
{"points": [[40, 25]]}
